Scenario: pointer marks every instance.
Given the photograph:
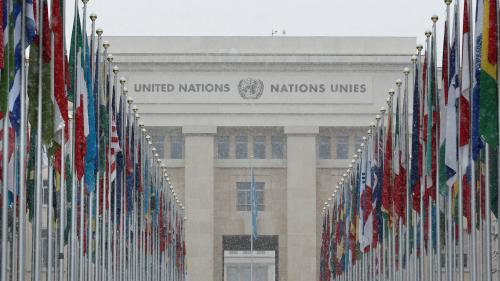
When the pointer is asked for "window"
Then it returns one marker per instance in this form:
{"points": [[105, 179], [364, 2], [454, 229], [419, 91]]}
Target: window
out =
{"points": [[241, 147], [244, 196], [159, 144], [45, 253], [277, 147], [176, 144], [342, 147], [259, 147], [325, 147], [357, 146], [222, 147]]}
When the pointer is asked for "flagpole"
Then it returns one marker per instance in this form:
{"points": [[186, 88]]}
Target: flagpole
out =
{"points": [[22, 172], [406, 72], [489, 251], [50, 217], [422, 183], [115, 197], [98, 265], [39, 180]]}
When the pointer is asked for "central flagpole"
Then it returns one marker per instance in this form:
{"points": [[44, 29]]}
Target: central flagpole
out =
{"points": [[407, 166]]}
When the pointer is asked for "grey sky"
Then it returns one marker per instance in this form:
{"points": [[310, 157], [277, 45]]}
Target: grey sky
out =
{"points": [[259, 17]]}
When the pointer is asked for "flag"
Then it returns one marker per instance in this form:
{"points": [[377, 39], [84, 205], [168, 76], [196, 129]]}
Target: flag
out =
{"points": [[488, 97], [6, 54], [387, 183], [399, 187], [464, 114], [416, 159], [14, 100], [89, 117], [253, 191], [35, 66], [59, 60], [366, 193], [79, 95], [451, 155]]}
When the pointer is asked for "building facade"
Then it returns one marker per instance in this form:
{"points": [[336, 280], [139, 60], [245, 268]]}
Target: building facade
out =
{"points": [[292, 109]]}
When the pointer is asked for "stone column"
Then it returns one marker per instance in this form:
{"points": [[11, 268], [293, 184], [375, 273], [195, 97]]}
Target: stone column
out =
{"points": [[199, 196], [301, 203]]}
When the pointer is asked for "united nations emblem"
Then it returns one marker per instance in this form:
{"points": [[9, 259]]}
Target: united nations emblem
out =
{"points": [[250, 88]]}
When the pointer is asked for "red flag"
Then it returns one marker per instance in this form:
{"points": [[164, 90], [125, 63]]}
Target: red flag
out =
{"points": [[387, 184], [60, 69]]}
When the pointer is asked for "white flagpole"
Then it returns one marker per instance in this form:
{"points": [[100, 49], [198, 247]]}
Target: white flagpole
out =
{"points": [[50, 217], [422, 182], [489, 251], [115, 197], [406, 133], [22, 156], [38, 176]]}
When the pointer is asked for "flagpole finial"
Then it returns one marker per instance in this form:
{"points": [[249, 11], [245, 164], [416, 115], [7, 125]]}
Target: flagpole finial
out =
{"points": [[147, 136], [382, 110], [141, 125], [434, 18], [372, 124], [428, 33], [70, 117], [414, 59], [135, 109], [448, 2], [378, 117], [420, 47], [105, 44], [389, 102], [85, 2], [130, 100], [157, 155], [116, 69], [110, 58], [399, 82], [137, 116], [99, 31], [406, 71], [123, 80], [150, 143], [93, 16]]}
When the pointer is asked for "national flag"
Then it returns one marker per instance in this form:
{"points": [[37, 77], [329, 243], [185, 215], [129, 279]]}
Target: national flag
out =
{"points": [[79, 95], [367, 205], [451, 155], [60, 99], [464, 114], [488, 97], [14, 100], [387, 183], [6, 54], [415, 143], [443, 101], [399, 187], [90, 114], [35, 67]]}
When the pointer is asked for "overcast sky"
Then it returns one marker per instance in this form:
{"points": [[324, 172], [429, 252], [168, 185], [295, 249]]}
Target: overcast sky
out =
{"points": [[260, 17]]}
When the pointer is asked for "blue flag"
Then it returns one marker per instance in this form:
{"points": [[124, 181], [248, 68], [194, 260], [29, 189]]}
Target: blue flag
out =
{"points": [[91, 147], [253, 190]]}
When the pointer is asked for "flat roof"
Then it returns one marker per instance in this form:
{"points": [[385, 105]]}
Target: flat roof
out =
{"points": [[262, 45]]}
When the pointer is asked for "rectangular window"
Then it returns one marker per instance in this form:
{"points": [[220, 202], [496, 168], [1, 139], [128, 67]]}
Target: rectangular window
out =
{"points": [[244, 197], [259, 147], [241, 147], [325, 147], [222, 147], [277, 147], [45, 253], [159, 144], [342, 147], [176, 145]]}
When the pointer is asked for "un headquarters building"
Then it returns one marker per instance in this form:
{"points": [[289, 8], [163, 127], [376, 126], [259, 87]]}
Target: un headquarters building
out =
{"points": [[293, 109]]}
